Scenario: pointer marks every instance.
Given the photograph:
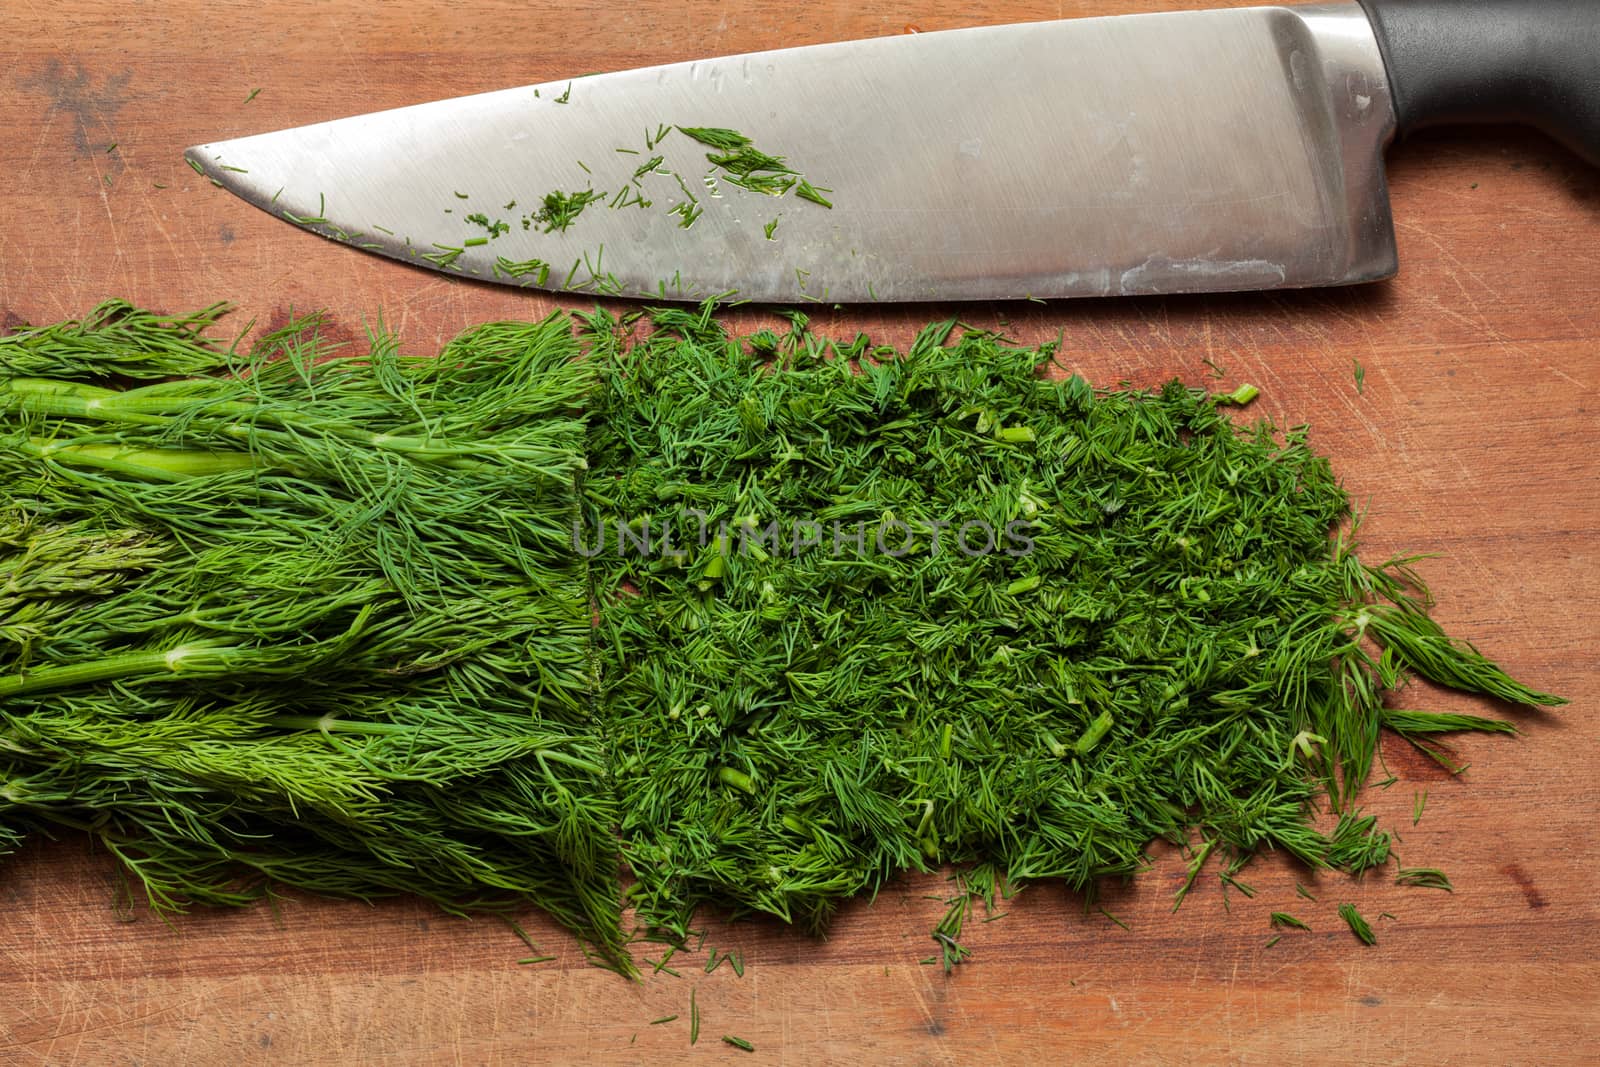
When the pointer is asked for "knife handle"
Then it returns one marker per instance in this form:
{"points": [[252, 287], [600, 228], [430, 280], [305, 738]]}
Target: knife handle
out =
{"points": [[1535, 62]]}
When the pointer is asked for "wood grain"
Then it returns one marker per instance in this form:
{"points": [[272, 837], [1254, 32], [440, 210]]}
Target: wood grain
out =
{"points": [[1476, 437]]}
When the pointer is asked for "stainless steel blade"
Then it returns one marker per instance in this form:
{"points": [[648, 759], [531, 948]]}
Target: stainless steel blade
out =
{"points": [[1183, 152]]}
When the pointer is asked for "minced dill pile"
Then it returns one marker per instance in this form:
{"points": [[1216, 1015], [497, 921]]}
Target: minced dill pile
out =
{"points": [[770, 620]]}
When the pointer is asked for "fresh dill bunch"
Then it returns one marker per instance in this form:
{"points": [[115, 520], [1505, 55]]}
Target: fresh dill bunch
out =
{"points": [[313, 621]]}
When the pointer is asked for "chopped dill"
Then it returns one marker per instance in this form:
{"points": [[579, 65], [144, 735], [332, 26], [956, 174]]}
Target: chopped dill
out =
{"points": [[494, 229], [1280, 918], [559, 210], [688, 213], [1200, 857], [1424, 878], [1357, 924], [649, 166], [509, 268], [738, 1042], [445, 257], [806, 191], [1114, 919], [723, 140]]}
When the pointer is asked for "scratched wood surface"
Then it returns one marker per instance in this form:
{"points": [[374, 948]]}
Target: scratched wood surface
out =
{"points": [[1476, 437]]}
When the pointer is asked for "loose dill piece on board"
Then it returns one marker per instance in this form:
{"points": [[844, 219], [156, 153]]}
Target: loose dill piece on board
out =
{"points": [[738, 1043], [1358, 925], [1116, 921], [1424, 877], [1280, 918], [1199, 861]]}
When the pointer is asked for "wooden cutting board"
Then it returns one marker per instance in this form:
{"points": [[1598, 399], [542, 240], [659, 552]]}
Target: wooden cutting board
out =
{"points": [[1475, 435]]}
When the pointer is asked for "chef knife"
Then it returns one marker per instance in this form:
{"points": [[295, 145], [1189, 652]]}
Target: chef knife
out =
{"points": [[1193, 151]]}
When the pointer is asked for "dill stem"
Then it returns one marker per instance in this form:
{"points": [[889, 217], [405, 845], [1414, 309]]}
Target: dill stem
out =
{"points": [[158, 464], [331, 724], [160, 404], [182, 659]]}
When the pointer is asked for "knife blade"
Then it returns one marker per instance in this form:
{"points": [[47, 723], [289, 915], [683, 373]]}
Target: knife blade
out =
{"points": [[1195, 151]]}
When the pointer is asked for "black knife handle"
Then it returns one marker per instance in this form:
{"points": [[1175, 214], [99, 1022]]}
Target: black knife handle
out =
{"points": [[1535, 62]]}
